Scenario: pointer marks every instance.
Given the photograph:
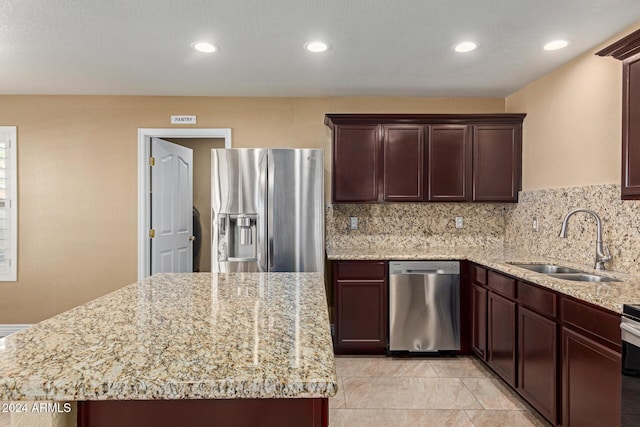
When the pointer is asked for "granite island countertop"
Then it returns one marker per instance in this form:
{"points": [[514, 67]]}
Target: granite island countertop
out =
{"points": [[180, 336], [610, 295]]}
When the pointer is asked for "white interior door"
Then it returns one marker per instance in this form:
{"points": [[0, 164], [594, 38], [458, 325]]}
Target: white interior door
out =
{"points": [[171, 208]]}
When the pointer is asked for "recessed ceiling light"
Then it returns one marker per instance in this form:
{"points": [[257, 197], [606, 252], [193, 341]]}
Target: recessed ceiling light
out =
{"points": [[556, 44], [204, 47], [315, 46], [465, 47]]}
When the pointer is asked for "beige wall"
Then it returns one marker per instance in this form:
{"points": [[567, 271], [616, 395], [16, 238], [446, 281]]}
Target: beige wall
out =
{"points": [[77, 172], [572, 132]]}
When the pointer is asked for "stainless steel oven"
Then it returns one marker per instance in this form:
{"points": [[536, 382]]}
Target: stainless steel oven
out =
{"points": [[630, 328]]}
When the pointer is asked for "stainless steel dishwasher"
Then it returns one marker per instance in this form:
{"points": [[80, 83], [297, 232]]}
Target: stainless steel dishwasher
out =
{"points": [[424, 306]]}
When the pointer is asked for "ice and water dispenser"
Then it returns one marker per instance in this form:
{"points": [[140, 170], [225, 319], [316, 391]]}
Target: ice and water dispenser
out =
{"points": [[238, 237]]}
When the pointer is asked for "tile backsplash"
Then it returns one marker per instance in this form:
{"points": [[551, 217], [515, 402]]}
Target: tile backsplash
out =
{"points": [[489, 225], [620, 225]]}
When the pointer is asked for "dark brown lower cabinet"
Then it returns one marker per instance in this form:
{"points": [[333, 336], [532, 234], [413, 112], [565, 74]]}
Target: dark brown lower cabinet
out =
{"points": [[591, 382], [538, 348], [360, 290], [561, 354], [501, 342], [479, 321]]}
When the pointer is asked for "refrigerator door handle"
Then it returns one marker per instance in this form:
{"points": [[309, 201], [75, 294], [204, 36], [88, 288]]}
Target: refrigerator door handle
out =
{"points": [[270, 200], [264, 217], [270, 253]]}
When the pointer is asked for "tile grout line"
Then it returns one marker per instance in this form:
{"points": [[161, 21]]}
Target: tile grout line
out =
{"points": [[469, 417]]}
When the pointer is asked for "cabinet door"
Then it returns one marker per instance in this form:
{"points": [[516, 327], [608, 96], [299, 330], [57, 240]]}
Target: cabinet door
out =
{"points": [[497, 162], [501, 343], [591, 382], [449, 163], [479, 321], [403, 162], [538, 346], [361, 316], [356, 163], [631, 129]]}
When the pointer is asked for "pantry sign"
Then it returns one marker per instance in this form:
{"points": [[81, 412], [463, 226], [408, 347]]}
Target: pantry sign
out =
{"points": [[183, 120]]}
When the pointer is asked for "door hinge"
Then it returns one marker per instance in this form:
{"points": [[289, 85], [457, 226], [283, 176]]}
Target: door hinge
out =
{"points": [[152, 233], [152, 161]]}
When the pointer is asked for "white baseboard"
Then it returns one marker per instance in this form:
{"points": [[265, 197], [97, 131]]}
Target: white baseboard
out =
{"points": [[9, 329]]}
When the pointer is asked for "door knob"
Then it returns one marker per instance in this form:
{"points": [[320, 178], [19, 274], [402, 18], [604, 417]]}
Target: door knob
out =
{"points": [[192, 238]]}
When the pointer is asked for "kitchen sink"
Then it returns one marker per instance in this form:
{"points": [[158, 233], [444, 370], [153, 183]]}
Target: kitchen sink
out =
{"points": [[583, 277], [565, 273], [547, 268]]}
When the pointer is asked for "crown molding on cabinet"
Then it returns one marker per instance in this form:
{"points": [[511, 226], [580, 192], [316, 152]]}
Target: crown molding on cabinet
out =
{"points": [[624, 48]]}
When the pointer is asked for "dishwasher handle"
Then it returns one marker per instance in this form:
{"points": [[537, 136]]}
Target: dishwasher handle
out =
{"points": [[422, 272], [424, 267]]}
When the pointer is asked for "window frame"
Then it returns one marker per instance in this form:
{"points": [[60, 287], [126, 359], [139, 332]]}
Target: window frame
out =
{"points": [[11, 192]]}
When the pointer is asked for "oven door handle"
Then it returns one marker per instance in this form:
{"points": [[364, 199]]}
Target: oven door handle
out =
{"points": [[627, 327], [630, 333]]}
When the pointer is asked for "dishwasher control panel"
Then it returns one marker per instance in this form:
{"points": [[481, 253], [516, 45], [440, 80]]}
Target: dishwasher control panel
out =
{"points": [[424, 267]]}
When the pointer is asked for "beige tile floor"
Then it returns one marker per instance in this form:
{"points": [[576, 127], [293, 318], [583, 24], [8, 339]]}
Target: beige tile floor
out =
{"points": [[390, 392], [400, 392]]}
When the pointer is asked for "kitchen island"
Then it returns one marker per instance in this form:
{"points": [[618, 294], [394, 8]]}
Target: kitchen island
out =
{"points": [[184, 349]]}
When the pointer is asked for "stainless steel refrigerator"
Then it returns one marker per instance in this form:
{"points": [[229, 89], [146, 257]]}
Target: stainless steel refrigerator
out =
{"points": [[267, 210]]}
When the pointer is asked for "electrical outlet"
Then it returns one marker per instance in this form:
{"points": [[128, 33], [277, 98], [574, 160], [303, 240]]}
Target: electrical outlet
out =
{"points": [[353, 223], [459, 222], [535, 224]]}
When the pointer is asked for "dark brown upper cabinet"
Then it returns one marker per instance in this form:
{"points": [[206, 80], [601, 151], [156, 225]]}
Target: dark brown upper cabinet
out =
{"points": [[426, 157], [627, 50], [403, 154], [356, 163], [449, 163], [497, 163]]}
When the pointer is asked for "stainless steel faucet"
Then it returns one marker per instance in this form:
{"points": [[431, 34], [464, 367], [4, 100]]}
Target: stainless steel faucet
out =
{"points": [[602, 252]]}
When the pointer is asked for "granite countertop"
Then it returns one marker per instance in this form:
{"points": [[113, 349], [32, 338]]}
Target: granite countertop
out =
{"points": [[180, 336], [610, 295]]}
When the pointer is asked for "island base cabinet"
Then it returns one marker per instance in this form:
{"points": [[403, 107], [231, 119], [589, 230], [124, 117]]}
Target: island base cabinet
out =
{"points": [[200, 413], [590, 383]]}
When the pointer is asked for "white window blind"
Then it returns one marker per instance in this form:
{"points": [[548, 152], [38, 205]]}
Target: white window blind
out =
{"points": [[8, 204]]}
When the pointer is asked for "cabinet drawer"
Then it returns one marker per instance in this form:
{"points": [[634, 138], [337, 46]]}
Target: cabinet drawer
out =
{"points": [[479, 275], [503, 285], [537, 299], [360, 270], [595, 321]]}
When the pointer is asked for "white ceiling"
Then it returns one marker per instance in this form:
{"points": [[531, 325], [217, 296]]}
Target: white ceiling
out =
{"points": [[378, 47]]}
